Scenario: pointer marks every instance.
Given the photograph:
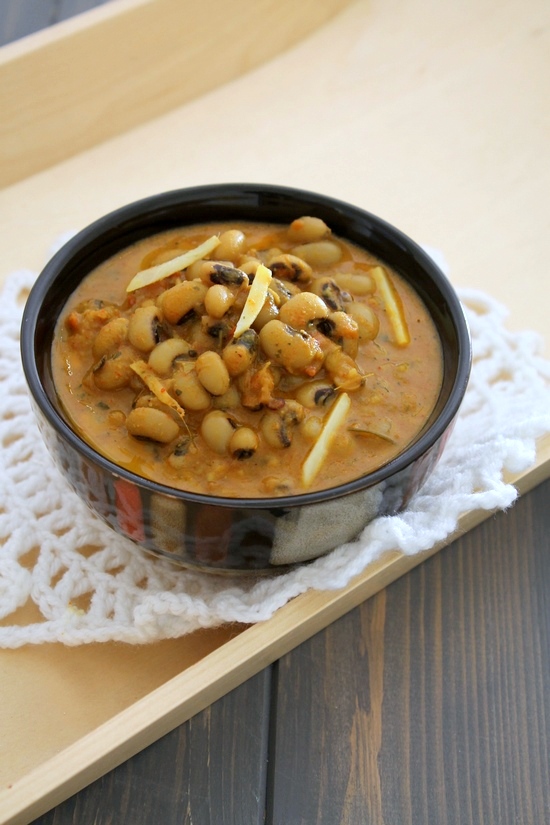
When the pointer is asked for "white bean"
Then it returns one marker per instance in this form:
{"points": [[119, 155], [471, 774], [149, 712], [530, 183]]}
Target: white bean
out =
{"points": [[218, 300], [301, 309], [296, 351], [110, 337], [113, 372], [319, 253], [180, 300], [268, 311], [188, 390], [162, 357], [315, 394], [239, 355], [307, 229], [217, 429], [366, 319], [212, 373], [357, 283], [291, 268], [148, 422], [243, 443], [143, 328], [232, 245]]}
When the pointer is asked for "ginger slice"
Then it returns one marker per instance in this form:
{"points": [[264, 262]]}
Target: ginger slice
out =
{"points": [[156, 273], [254, 300], [156, 386], [394, 307], [318, 453]]}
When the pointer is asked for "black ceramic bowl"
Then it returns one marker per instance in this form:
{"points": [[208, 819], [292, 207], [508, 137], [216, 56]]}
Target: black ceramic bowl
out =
{"points": [[224, 534]]}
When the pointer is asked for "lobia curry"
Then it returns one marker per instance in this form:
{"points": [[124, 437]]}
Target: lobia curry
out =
{"points": [[247, 360]]}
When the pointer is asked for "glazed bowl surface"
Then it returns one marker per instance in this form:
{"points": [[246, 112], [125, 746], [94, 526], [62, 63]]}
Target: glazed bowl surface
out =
{"points": [[222, 534]]}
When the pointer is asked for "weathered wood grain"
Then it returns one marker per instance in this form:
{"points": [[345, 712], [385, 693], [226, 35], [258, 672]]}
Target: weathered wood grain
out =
{"points": [[431, 701], [210, 770], [428, 703]]}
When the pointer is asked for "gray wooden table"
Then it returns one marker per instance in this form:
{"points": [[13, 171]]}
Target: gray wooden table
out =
{"points": [[21, 17], [427, 704]]}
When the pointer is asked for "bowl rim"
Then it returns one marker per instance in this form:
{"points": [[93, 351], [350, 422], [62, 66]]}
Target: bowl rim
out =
{"points": [[164, 201]]}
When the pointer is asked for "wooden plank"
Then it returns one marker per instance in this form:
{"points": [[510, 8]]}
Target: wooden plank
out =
{"points": [[212, 769], [430, 702], [130, 61]]}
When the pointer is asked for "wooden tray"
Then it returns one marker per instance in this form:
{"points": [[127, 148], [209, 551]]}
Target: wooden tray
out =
{"points": [[432, 120]]}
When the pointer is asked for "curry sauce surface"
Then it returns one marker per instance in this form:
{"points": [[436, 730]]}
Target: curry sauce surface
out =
{"points": [[390, 403]]}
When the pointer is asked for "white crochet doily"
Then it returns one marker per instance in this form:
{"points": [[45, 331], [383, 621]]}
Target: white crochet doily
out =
{"points": [[66, 577]]}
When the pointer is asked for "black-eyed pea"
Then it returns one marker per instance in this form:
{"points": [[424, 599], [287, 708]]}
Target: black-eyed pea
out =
{"points": [[218, 330], [295, 350], [318, 254], [303, 309], [343, 370], [243, 443], [332, 294], [113, 372], [143, 328], [290, 268], [276, 484], [307, 229], [240, 300], [216, 429], [148, 399], [178, 302], [110, 337], [212, 373], [165, 354], [200, 270], [196, 334], [358, 284], [350, 346], [275, 297], [271, 253], [178, 457], [218, 300], [232, 245], [277, 426], [284, 290], [239, 354], [275, 432], [228, 275], [230, 400], [115, 418], [249, 267], [311, 427], [315, 394], [340, 325], [268, 311], [292, 412], [153, 424], [366, 319], [135, 383], [188, 390]]}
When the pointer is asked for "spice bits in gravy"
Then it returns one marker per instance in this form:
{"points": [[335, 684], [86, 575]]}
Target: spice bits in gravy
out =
{"points": [[247, 360]]}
